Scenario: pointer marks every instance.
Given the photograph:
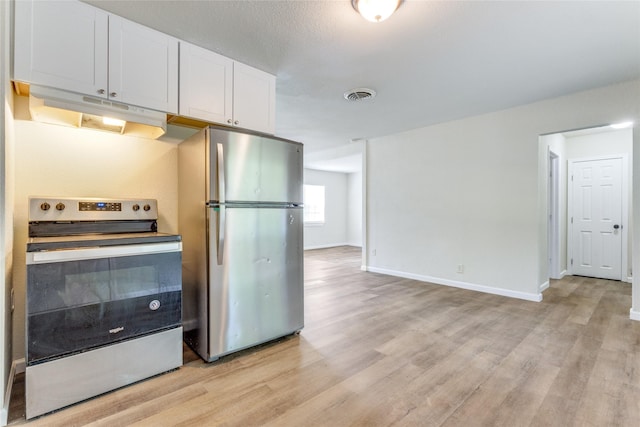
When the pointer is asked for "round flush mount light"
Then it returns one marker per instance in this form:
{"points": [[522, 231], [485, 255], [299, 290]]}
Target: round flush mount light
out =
{"points": [[359, 94], [376, 10]]}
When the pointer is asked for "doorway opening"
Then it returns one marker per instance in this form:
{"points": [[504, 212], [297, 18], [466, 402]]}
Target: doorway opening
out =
{"points": [[573, 198], [341, 173]]}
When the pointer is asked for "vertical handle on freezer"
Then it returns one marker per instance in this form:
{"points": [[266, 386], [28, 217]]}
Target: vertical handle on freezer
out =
{"points": [[220, 164], [221, 198]]}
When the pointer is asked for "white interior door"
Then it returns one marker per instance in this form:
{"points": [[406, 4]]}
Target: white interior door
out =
{"points": [[596, 221]]}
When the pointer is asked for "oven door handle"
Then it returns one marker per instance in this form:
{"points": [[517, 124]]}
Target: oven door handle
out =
{"points": [[80, 254]]}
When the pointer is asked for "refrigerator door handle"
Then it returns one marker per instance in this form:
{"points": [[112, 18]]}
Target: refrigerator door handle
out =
{"points": [[221, 197], [221, 227], [220, 164]]}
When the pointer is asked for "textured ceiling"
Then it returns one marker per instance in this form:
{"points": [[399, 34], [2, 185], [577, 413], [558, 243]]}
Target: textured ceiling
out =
{"points": [[432, 61]]}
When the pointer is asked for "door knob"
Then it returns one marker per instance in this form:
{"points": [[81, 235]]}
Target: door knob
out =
{"points": [[616, 226]]}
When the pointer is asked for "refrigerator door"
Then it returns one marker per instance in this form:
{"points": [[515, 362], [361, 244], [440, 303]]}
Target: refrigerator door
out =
{"points": [[246, 167], [256, 281]]}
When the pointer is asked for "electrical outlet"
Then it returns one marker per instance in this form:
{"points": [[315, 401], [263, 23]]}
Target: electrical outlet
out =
{"points": [[460, 268]]}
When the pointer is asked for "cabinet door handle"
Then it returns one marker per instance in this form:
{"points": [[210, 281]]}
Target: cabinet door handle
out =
{"points": [[113, 94], [229, 121], [236, 122], [101, 91]]}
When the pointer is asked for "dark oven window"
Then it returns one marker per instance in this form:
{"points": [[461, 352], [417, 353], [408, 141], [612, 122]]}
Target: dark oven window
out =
{"points": [[76, 305]]}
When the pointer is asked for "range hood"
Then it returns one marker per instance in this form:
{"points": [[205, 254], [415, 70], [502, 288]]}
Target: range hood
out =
{"points": [[59, 107]]}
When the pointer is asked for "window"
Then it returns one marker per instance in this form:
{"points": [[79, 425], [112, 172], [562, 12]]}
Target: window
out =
{"points": [[314, 204]]}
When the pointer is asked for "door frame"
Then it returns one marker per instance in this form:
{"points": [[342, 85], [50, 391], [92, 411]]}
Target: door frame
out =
{"points": [[553, 208], [624, 262]]}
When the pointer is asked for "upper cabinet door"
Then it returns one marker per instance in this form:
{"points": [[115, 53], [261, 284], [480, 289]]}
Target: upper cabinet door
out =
{"points": [[254, 94], [143, 66], [62, 44], [206, 85]]}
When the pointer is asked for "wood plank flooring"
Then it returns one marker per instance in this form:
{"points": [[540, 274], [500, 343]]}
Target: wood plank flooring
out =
{"points": [[384, 351]]}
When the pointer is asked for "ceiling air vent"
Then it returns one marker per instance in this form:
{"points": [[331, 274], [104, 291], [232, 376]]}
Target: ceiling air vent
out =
{"points": [[359, 94]]}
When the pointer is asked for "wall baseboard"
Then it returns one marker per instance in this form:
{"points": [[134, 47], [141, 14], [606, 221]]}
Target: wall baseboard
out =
{"points": [[457, 284], [634, 315], [21, 365], [329, 245], [17, 367], [544, 286]]}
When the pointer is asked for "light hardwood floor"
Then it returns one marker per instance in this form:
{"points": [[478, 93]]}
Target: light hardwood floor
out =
{"points": [[379, 350]]}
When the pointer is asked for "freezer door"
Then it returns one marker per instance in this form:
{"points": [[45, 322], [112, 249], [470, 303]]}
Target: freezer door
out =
{"points": [[254, 168], [256, 282]]}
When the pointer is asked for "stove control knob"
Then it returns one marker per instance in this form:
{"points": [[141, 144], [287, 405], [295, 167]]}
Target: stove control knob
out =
{"points": [[60, 206], [136, 207], [146, 208], [45, 206]]}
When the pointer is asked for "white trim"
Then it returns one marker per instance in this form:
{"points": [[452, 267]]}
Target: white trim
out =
{"points": [[544, 286], [17, 367], [562, 274], [462, 285], [365, 205], [634, 315], [624, 262], [328, 245], [628, 279], [553, 213], [20, 365]]}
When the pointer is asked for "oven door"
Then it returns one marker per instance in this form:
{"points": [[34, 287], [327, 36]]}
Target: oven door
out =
{"points": [[78, 299]]}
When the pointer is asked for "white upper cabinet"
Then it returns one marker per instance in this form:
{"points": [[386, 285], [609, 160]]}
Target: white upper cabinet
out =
{"points": [[143, 66], [254, 98], [61, 44], [71, 45], [217, 89], [206, 84]]}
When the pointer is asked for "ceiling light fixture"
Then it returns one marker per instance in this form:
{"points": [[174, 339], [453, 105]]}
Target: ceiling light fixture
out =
{"points": [[376, 10], [622, 125]]}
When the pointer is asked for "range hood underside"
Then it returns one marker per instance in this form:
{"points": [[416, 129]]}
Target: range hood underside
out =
{"points": [[58, 107]]}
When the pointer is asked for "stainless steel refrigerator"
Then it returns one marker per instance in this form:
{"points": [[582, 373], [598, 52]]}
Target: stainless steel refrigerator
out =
{"points": [[240, 216]]}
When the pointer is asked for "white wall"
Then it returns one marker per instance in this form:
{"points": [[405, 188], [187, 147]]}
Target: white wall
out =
{"points": [[354, 209], [334, 231], [600, 144], [557, 144], [472, 193], [6, 208], [55, 160]]}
